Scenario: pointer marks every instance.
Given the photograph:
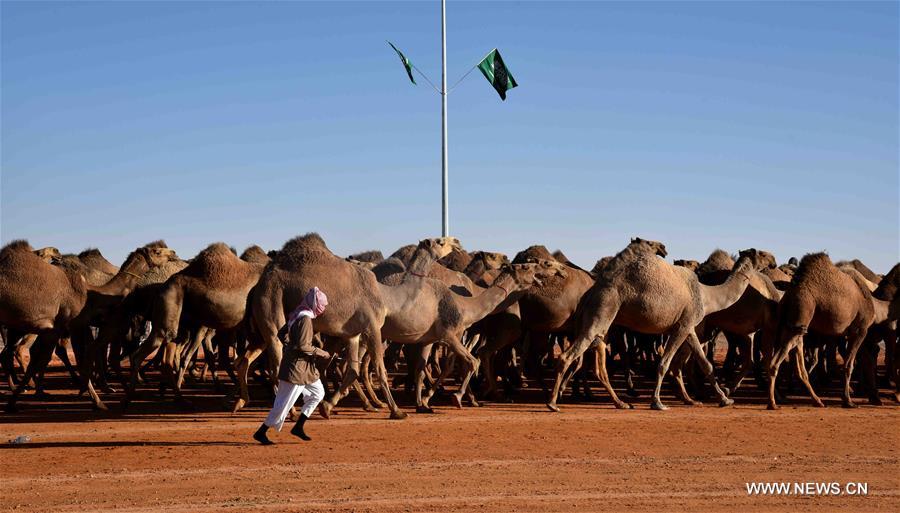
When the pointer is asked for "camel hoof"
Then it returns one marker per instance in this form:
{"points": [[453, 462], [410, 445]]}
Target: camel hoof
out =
{"points": [[700, 404], [325, 409], [847, 404], [726, 401], [658, 405], [371, 409], [424, 409], [773, 407], [100, 406], [457, 401], [726, 391], [475, 403], [897, 397], [238, 405], [624, 406], [553, 407], [398, 415]]}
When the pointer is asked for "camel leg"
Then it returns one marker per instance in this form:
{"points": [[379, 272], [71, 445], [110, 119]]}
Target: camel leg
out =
{"points": [[87, 363], [377, 349], [187, 355], [681, 357], [366, 367], [746, 365], [43, 353], [707, 368], [420, 364], [854, 342], [572, 353], [242, 367], [775, 362], [670, 349], [603, 376], [800, 364], [350, 375], [455, 343]]}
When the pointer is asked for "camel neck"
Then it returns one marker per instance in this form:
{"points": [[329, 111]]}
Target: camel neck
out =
{"points": [[478, 307], [719, 297], [126, 279]]}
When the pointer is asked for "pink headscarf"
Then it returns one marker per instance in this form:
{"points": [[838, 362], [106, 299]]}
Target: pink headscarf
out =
{"points": [[313, 305]]}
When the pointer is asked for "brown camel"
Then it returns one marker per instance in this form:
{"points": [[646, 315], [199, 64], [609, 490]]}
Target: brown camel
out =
{"points": [[889, 291], [549, 309], [829, 303], [693, 265], [646, 294], [424, 311], [355, 308], [48, 254], [211, 292], [456, 260], [38, 298], [861, 268], [754, 313], [483, 261], [98, 301]]}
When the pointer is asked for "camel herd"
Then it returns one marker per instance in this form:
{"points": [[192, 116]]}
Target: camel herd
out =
{"points": [[477, 319]]}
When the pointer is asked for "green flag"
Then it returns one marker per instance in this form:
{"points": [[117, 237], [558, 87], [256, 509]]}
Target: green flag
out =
{"points": [[405, 61], [496, 73]]}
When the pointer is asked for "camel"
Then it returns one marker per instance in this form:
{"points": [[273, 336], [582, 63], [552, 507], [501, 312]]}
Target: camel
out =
{"points": [[373, 256], [38, 298], [887, 293], [549, 309], [48, 253], [423, 311], [211, 292], [829, 303], [754, 313], [693, 265], [861, 268], [97, 302], [356, 309], [483, 261], [646, 294], [456, 260]]}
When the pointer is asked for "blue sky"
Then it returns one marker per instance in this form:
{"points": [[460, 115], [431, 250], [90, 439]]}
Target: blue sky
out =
{"points": [[700, 124]]}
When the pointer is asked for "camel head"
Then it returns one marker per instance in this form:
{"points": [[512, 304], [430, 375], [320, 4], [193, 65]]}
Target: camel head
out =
{"points": [[525, 275], [48, 254], [767, 259], [653, 246], [156, 256], [438, 247], [761, 259], [690, 264], [748, 262], [490, 260]]}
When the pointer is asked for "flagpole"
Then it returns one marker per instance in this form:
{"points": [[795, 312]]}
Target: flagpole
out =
{"points": [[445, 216]]}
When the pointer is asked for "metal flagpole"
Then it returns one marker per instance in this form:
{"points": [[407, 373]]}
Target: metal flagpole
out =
{"points": [[445, 231]]}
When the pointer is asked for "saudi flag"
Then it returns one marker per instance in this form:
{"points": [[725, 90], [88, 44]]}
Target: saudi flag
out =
{"points": [[405, 61], [496, 73]]}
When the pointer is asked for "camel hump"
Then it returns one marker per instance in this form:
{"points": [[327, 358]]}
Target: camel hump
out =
{"points": [[156, 244], [372, 256], [536, 252], [255, 255], [813, 266], [862, 268], [217, 265], [718, 260], [309, 248], [17, 245]]}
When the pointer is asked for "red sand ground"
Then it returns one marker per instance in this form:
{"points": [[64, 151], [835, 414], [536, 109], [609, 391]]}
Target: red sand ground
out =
{"points": [[501, 457]]}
